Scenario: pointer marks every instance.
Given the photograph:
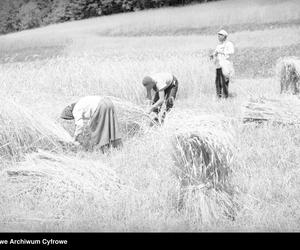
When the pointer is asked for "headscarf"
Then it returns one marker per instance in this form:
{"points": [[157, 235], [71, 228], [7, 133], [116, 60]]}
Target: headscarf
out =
{"points": [[223, 32], [67, 113], [147, 80]]}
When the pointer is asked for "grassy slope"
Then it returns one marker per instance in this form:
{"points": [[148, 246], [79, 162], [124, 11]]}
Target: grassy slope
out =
{"points": [[255, 14], [78, 61]]}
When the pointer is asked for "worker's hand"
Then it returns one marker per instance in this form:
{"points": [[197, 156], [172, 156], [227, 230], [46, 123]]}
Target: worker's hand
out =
{"points": [[149, 110], [154, 117], [76, 143], [170, 102]]}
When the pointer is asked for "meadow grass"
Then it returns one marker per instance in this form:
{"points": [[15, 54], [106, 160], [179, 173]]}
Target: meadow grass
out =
{"points": [[189, 20], [260, 49], [137, 188]]}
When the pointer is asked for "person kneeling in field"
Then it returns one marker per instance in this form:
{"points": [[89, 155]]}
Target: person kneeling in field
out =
{"points": [[165, 86], [97, 114], [224, 68]]}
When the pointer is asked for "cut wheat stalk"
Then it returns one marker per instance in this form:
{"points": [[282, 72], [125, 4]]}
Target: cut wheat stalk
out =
{"points": [[23, 130], [129, 112], [55, 186], [281, 111]]}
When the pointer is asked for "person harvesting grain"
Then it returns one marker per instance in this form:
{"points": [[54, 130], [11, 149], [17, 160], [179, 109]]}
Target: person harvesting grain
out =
{"points": [[224, 68], [165, 86], [97, 114]]}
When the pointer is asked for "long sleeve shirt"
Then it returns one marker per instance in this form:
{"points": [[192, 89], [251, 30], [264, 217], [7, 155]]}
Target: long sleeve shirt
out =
{"points": [[83, 112], [223, 52]]}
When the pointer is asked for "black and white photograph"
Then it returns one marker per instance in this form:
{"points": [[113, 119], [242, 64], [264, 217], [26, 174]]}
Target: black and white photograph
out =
{"points": [[152, 116]]}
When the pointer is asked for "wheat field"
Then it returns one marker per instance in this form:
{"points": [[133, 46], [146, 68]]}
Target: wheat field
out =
{"points": [[253, 183]]}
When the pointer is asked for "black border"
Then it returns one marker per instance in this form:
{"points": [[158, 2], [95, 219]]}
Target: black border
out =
{"points": [[141, 240]]}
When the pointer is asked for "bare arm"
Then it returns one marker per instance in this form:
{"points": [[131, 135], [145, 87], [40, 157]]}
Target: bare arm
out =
{"points": [[78, 128], [79, 122]]}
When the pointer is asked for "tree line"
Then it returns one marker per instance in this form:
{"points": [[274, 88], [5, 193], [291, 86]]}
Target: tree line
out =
{"points": [[17, 15]]}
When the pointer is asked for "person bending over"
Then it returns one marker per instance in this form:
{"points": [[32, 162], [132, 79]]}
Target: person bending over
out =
{"points": [[98, 114], [165, 86]]}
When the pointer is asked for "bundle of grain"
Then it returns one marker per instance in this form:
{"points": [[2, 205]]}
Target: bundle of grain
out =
{"points": [[53, 188], [210, 205], [285, 110], [203, 147], [23, 130], [288, 71], [132, 118]]}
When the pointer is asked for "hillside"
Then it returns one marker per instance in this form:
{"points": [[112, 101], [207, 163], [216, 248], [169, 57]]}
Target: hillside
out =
{"points": [[17, 15]]}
